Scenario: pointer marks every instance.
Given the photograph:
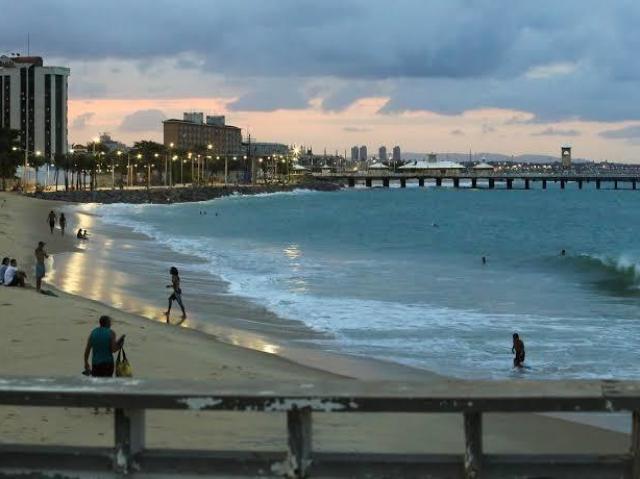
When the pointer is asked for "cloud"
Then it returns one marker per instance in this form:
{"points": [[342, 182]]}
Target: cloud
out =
{"points": [[630, 133], [456, 132], [557, 60], [355, 129], [486, 128], [80, 121], [142, 120], [551, 131], [551, 70]]}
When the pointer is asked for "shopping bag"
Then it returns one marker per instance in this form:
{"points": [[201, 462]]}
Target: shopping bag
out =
{"points": [[123, 367]]}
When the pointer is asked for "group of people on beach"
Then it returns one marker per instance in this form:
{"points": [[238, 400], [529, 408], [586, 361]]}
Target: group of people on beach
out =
{"points": [[10, 275]]}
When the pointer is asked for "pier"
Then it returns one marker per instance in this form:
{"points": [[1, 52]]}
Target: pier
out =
{"points": [[299, 403], [483, 180]]}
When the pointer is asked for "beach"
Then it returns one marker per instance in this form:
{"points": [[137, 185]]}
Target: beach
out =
{"points": [[45, 336]]}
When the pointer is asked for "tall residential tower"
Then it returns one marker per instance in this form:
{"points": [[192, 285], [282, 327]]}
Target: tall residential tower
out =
{"points": [[33, 100]]}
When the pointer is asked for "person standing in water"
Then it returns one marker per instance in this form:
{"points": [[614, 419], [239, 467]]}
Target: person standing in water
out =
{"points": [[518, 350], [63, 223], [51, 218], [177, 293]]}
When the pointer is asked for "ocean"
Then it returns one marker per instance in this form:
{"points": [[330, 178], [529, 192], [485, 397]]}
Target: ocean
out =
{"points": [[397, 274]]}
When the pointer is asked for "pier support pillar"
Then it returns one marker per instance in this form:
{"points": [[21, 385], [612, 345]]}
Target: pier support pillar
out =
{"points": [[492, 183], [597, 184], [615, 185], [421, 182], [456, 182], [633, 184], [352, 182], [385, 182], [368, 182], [474, 183], [579, 184], [544, 184], [562, 184], [526, 184], [403, 182], [438, 181], [509, 184]]}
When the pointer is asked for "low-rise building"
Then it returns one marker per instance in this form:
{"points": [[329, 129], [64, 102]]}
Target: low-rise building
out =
{"points": [[193, 132], [444, 168]]}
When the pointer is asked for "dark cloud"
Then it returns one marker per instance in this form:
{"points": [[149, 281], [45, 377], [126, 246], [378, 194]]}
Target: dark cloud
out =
{"points": [[457, 132], [569, 59], [80, 121], [630, 133], [551, 131], [142, 120]]}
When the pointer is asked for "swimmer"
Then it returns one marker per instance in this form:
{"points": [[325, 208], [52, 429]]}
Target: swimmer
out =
{"points": [[518, 350]]}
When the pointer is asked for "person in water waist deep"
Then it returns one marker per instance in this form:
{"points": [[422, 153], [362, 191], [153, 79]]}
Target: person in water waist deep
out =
{"points": [[518, 350]]}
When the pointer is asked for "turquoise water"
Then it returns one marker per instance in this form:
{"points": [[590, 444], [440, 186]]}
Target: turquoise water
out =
{"points": [[397, 274]]}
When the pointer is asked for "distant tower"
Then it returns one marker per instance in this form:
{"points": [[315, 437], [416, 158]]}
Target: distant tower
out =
{"points": [[397, 157], [354, 153], [363, 153], [382, 154], [566, 157], [432, 158]]}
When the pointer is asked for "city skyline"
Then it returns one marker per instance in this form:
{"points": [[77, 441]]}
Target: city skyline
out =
{"points": [[540, 78]]}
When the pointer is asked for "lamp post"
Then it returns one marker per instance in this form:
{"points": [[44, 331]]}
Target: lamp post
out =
{"points": [[139, 157], [25, 169], [169, 156]]}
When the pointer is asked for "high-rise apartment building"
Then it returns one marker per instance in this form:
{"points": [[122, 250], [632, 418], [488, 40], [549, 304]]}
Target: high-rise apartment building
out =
{"points": [[565, 155], [363, 153], [382, 153], [396, 156], [193, 132], [355, 153], [33, 100]]}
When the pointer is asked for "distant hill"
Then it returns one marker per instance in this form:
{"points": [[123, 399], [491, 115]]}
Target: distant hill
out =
{"points": [[489, 157]]}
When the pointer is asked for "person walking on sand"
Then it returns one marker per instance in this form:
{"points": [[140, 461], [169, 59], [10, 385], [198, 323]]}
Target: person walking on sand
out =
{"points": [[177, 293], [41, 255], [63, 223], [51, 218], [102, 344], [518, 350]]}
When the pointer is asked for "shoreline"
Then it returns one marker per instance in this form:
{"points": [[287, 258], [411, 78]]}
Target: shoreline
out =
{"points": [[183, 194], [46, 335]]}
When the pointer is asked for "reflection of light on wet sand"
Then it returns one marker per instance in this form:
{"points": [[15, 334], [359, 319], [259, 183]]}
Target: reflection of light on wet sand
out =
{"points": [[253, 342]]}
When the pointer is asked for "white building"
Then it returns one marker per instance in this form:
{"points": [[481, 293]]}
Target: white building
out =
{"points": [[445, 168], [33, 100], [382, 154]]}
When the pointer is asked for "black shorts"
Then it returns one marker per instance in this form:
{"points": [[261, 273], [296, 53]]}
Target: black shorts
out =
{"points": [[104, 370]]}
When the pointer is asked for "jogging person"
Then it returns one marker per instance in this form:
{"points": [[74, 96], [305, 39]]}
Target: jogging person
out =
{"points": [[177, 293]]}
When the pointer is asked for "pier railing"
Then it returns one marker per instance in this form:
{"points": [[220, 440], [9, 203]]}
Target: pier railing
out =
{"points": [[130, 398]]}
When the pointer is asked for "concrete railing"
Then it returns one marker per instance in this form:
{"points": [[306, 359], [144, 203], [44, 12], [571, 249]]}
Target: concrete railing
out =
{"points": [[299, 401]]}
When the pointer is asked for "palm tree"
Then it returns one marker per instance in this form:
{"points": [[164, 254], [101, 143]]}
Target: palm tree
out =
{"points": [[149, 151], [9, 157]]}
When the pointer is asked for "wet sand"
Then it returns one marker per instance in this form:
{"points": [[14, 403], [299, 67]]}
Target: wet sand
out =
{"points": [[45, 336]]}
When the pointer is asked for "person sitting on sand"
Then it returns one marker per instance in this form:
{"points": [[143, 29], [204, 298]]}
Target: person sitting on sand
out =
{"points": [[85, 235], [51, 218], [3, 268], [177, 293], [13, 277], [82, 234], [63, 223], [102, 344], [518, 350], [41, 255]]}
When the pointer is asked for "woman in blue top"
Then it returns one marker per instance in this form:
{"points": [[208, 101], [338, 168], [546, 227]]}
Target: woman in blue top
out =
{"points": [[102, 342]]}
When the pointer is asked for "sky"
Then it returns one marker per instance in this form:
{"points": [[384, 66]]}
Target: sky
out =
{"points": [[509, 77]]}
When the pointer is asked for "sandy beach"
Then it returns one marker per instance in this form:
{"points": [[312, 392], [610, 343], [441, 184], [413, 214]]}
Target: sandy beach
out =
{"points": [[45, 335]]}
